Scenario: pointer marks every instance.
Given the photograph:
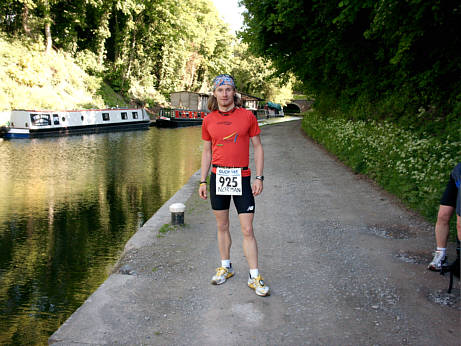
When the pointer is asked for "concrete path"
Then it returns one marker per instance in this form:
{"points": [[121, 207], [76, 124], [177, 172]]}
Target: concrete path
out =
{"points": [[345, 262]]}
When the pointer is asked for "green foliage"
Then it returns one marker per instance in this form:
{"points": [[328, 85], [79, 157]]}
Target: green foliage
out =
{"points": [[413, 166], [297, 96], [157, 47], [143, 92], [32, 79], [256, 76], [143, 50], [375, 51], [165, 228], [110, 97], [88, 61]]}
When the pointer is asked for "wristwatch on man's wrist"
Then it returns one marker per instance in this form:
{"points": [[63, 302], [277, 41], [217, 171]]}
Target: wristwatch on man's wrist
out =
{"points": [[260, 177]]}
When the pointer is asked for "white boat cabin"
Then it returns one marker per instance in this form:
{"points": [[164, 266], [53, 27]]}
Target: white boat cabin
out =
{"points": [[31, 123]]}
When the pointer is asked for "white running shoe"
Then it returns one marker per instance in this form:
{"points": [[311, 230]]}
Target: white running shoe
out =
{"points": [[259, 286], [437, 262], [222, 274]]}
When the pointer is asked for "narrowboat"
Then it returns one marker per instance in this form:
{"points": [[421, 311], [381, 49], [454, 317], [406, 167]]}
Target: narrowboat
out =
{"points": [[43, 123], [189, 109], [168, 117]]}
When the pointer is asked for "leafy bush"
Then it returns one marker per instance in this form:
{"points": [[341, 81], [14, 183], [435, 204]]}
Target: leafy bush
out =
{"points": [[88, 61], [143, 91]]}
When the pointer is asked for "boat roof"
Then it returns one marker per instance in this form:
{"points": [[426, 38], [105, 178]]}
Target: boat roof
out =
{"points": [[77, 110]]}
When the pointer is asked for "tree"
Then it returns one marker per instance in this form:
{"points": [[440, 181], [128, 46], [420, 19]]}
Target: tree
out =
{"points": [[256, 76], [144, 49], [389, 52]]}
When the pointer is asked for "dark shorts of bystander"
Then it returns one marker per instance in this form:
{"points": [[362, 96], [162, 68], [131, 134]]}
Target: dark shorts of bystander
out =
{"points": [[244, 203], [450, 195]]}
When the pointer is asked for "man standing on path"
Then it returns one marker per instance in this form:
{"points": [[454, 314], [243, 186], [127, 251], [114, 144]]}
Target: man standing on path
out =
{"points": [[227, 132]]}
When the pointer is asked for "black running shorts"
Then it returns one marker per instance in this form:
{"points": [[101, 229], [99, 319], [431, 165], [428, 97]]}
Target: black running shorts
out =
{"points": [[450, 195], [244, 203]]}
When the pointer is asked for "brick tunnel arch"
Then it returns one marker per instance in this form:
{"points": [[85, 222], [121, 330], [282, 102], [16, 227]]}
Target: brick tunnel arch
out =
{"points": [[303, 105], [291, 108]]}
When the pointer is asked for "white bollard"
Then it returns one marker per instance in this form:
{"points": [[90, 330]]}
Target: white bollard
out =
{"points": [[177, 213]]}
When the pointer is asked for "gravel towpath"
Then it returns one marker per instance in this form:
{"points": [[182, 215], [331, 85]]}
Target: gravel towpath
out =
{"points": [[345, 261]]}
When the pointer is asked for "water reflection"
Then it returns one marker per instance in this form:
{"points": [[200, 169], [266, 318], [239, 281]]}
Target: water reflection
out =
{"points": [[67, 207]]}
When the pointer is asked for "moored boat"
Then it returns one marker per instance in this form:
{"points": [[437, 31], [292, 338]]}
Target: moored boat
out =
{"points": [[189, 109], [43, 123], [168, 117]]}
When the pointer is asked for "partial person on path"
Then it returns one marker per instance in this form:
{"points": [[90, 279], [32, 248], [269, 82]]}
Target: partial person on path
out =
{"points": [[226, 133], [442, 226], [456, 174]]}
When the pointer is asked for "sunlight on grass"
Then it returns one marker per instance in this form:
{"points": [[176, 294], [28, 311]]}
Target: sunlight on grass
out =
{"points": [[31, 79]]}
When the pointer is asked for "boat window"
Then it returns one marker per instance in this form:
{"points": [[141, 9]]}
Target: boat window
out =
{"points": [[105, 116], [82, 117], [63, 119], [124, 115], [135, 115], [40, 119], [55, 119]]}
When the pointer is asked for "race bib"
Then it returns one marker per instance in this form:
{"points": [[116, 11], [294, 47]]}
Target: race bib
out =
{"points": [[228, 181]]}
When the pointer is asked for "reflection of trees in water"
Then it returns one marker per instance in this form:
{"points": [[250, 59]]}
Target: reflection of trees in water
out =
{"points": [[71, 204]]}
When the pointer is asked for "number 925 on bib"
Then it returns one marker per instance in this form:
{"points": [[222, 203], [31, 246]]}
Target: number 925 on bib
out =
{"points": [[228, 181]]}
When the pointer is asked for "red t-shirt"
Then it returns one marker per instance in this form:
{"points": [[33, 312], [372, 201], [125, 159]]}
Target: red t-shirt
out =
{"points": [[230, 137]]}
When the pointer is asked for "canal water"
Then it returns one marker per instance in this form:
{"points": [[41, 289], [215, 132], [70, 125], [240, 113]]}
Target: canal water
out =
{"points": [[67, 207]]}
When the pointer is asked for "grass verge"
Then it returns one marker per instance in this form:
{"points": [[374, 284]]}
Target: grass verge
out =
{"points": [[413, 166]]}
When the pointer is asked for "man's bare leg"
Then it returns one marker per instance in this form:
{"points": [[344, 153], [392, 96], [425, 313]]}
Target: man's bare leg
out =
{"points": [[225, 270], [224, 237], [442, 226], [442, 229], [250, 247]]}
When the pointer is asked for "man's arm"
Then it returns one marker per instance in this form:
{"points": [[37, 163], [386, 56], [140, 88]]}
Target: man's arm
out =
{"points": [[205, 167], [257, 187]]}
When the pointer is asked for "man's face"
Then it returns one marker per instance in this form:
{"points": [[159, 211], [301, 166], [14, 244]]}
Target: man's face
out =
{"points": [[225, 95]]}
